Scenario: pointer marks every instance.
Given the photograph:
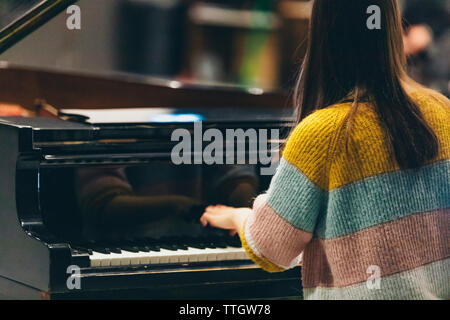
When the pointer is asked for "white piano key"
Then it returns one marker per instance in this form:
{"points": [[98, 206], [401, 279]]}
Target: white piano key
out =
{"points": [[242, 255], [154, 257], [164, 256], [212, 254], [195, 255], [116, 259], [130, 258], [177, 256], [184, 256], [233, 253], [97, 258]]}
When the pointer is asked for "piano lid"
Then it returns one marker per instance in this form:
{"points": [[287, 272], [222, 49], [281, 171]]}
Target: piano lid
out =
{"points": [[36, 13]]}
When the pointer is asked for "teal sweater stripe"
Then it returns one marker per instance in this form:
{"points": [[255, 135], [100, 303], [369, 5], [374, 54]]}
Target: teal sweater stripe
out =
{"points": [[366, 203], [384, 198], [294, 197], [421, 283]]}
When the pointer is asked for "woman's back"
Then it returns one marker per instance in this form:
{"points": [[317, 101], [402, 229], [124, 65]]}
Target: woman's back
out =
{"points": [[381, 232]]}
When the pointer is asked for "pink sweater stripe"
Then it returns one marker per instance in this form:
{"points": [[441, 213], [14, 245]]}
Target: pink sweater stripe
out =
{"points": [[414, 241], [268, 244]]}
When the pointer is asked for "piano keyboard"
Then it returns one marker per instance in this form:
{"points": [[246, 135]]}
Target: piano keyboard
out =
{"points": [[156, 252], [126, 258]]}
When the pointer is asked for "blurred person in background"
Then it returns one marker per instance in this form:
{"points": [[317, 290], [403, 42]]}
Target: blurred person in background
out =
{"points": [[427, 42]]}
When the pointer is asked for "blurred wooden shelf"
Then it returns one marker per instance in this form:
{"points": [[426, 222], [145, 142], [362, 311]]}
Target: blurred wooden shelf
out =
{"points": [[213, 15]]}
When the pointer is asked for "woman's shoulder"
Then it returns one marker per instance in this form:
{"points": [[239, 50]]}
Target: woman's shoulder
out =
{"points": [[435, 108], [429, 94], [323, 120], [313, 126], [321, 125], [315, 133], [430, 98]]}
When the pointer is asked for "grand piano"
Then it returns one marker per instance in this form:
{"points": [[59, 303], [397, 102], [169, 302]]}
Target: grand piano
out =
{"points": [[109, 134]]}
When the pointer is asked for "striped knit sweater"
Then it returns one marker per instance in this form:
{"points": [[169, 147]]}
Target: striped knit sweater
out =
{"points": [[353, 212]]}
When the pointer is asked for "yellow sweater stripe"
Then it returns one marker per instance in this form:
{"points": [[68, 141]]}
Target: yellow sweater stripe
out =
{"points": [[319, 138]]}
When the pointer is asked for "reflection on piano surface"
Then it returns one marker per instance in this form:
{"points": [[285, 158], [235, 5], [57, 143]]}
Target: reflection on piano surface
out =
{"points": [[141, 194], [150, 214]]}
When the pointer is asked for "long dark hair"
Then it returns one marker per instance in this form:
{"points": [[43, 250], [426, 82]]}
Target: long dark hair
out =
{"points": [[346, 60]]}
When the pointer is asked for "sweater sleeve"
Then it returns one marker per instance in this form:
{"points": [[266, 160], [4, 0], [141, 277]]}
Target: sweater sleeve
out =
{"points": [[284, 218]]}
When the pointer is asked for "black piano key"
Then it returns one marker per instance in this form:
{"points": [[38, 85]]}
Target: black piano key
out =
{"points": [[168, 247], [210, 245], [143, 248], [125, 244], [234, 242], [115, 250], [195, 243], [107, 247], [180, 246], [174, 243], [130, 248], [179, 241], [83, 250], [101, 250], [220, 244], [147, 245], [218, 241], [206, 240], [198, 245], [154, 248], [112, 248]]}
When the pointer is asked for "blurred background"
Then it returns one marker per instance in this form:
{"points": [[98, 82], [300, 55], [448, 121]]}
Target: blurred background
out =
{"points": [[251, 43]]}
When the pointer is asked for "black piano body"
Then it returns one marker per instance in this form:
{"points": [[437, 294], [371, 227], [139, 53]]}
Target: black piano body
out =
{"points": [[39, 243]]}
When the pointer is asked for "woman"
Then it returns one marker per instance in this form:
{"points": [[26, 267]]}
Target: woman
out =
{"points": [[363, 188]]}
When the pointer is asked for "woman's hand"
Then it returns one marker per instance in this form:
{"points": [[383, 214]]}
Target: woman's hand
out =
{"points": [[224, 217]]}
